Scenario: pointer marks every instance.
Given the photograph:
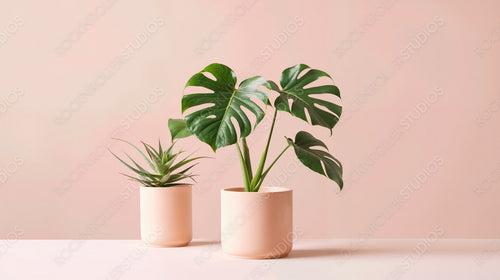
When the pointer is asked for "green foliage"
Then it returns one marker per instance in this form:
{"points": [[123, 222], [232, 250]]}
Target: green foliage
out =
{"points": [[167, 169], [178, 129], [211, 115], [317, 160], [212, 124], [293, 88]]}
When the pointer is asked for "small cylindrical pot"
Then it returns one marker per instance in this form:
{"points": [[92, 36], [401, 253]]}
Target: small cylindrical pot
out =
{"points": [[257, 225], [166, 216]]}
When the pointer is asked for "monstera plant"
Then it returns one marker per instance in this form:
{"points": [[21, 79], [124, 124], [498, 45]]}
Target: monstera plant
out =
{"points": [[220, 114]]}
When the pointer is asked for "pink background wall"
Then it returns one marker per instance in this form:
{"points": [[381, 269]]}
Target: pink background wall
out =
{"points": [[419, 138]]}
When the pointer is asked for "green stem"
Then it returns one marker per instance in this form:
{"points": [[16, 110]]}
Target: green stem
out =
{"points": [[275, 160], [269, 168], [246, 157], [258, 173], [244, 170]]}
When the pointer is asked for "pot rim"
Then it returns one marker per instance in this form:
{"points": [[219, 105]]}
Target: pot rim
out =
{"points": [[264, 190], [161, 188]]}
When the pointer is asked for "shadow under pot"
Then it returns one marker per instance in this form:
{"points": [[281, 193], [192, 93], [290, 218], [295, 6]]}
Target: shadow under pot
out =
{"points": [[166, 216], [257, 225]]}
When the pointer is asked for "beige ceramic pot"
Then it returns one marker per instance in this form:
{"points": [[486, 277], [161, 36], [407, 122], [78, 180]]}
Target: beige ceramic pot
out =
{"points": [[166, 216], [257, 225]]}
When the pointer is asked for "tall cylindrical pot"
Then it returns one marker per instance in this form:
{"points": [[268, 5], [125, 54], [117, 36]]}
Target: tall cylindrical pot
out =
{"points": [[166, 215], [257, 225]]}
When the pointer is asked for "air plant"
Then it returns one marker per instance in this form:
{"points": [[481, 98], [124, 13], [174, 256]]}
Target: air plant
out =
{"points": [[167, 169]]}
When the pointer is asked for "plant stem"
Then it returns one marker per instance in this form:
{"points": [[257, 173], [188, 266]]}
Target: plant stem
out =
{"points": [[244, 169], [246, 157], [258, 173], [275, 160], [269, 168]]}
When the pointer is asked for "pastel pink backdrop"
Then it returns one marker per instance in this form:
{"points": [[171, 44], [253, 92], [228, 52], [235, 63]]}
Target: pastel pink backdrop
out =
{"points": [[419, 139]]}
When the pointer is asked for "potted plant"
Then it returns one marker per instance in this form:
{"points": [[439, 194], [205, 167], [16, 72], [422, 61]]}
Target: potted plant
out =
{"points": [[165, 197], [256, 222]]}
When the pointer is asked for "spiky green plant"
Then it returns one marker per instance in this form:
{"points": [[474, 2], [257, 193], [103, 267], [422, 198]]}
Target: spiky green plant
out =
{"points": [[166, 169]]}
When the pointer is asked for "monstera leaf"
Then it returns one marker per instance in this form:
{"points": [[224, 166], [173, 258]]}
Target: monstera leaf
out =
{"points": [[212, 122], [321, 112], [317, 160]]}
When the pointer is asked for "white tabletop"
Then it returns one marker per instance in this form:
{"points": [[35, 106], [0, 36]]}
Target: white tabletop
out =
{"points": [[310, 259]]}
